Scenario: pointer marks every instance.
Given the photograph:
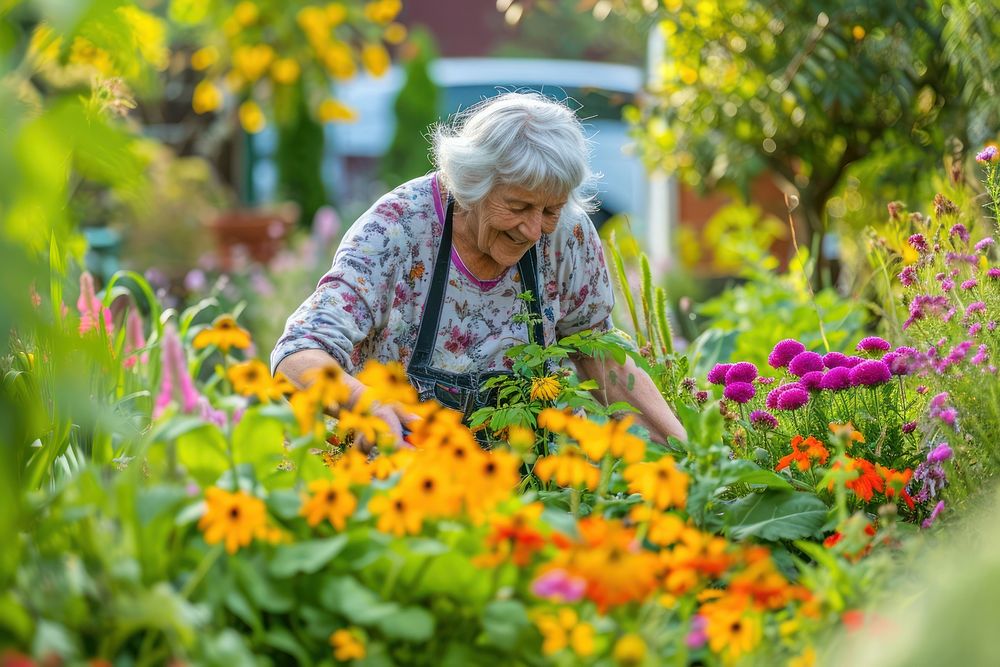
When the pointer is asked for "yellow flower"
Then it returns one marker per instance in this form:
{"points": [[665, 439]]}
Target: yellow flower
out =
{"points": [[630, 650], [554, 420], [313, 22], [353, 466], [224, 334], [395, 33], [334, 111], [285, 71], [660, 483], [806, 659], [597, 439], [396, 514], [347, 645], [149, 35], [207, 97], [252, 61], [338, 60], [386, 383], [858, 32], [432, 489], [231, 517], [45, 44], [251, 117], [246, 13], [569, 468], [520, 438], [307, 410], [327, 384], [332, 500], [581, 640], [363, 424], [252, 378], [731, 632], [375, 59], [383, 11], [204, 58], [545, 388], [336, 14]]}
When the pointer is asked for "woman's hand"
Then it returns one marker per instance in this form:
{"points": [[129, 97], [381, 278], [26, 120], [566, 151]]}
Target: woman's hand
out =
{"points": [[398, 421]]}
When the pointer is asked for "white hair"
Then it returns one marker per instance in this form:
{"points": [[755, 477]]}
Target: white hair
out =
{"points": [[517, 139]]}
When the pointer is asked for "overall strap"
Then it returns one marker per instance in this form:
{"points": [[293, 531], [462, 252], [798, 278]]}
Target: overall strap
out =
{"points": [[427, 334], [430, 319]]}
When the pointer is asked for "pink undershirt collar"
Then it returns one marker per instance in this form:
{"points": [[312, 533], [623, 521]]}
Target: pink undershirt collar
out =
{"points": [[456, 259]]}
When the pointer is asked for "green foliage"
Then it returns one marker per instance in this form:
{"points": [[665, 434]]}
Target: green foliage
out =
{"points": [[299, 158], [416, 110]]}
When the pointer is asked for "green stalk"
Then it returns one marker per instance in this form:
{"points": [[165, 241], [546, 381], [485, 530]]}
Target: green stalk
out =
{"points": [[666, 332], [623, 286]]}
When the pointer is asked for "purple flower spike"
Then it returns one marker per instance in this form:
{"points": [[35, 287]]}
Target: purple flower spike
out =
{"points": [[764, 420], [909, 427], [784, 352], [741, 372], [969, 284], [718, 373], [870, 373], [804, 362], [873, 344], [739, 392], [983, 244], [836, 379], [793, 399], [929, 521], [959, 230], [834, 359], [811, 380]]}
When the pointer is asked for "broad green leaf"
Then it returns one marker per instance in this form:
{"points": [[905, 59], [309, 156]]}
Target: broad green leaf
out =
{"points": [[306, 557], [283, 640], [750, 473], [360, 605], [413, 624], [775, 515], [263, 592], [503, 623]]}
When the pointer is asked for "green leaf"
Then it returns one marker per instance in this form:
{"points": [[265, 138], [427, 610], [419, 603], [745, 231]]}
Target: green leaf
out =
{"points": [[413, 624], [285, 641], [259, 441], [306, 557], [750, 473], [360, 605], [202, 452], [503, 623], [776, 515], [263, 592], [237, 603], [426, 547]]}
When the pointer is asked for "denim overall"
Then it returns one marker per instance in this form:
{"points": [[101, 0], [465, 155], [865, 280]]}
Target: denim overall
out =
{"points": [[460, 391]]}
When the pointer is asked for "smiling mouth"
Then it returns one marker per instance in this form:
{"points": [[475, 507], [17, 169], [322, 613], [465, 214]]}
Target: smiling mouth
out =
{"points": [[516, 241]]}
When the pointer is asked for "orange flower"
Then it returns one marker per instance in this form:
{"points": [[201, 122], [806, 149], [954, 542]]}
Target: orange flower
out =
{"points": [[805, 452], [569, 468], [326, 384], [597, 439], [514, 538], [332, 500], [895, 483], [865, 482], [396, 514], [493, 478], [386, 383], [432, 489], [732, 630], [224, 334], [252, 378], [612, 561], [659, 483], [347, 645], [234, 518], [846, 431]]}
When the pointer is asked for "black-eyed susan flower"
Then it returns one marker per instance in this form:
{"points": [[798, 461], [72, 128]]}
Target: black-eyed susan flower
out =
{"points": [[732, 630], [545, 388], [327, 384], [252, 378], [569, 468], [224, 334], [397, 514], [433, 489], [331, 500], [660, 483], [308, 413], [364, 425], [347, 645], [564, 629], [386, 383], [233, 518]]}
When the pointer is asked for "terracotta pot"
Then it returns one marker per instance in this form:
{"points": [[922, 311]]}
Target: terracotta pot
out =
{"points": [[256, 234]]}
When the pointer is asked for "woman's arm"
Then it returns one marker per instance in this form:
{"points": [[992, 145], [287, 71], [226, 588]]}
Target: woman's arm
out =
{"points": [[613, 378], [296, 365]]}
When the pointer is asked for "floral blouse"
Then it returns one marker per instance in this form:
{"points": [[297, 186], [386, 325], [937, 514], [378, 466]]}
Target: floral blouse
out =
{"points": [[369, 305]]}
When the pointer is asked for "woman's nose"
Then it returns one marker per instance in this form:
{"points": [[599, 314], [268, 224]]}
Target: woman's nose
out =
{"points": [[531, 228]]}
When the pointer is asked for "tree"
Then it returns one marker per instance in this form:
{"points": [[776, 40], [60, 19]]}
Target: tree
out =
{"points": [[805, 90]]}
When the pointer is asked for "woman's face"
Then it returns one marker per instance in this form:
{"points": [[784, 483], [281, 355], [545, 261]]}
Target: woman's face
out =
{"points": [[513, 219]]}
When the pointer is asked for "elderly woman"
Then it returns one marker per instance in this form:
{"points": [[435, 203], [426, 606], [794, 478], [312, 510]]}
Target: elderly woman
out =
{"points": [[429, 276]]}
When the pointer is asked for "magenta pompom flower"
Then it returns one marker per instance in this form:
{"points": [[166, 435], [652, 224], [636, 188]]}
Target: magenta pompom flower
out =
{"points": [[836, 379], [959, 230], [811, 380], [872, 344], [918, 242], [851, 362], [942, 452], [909, 427], [870, 373], [718, 373], [993, 273], [793, 399], [739, 392], [763, 419], [988, 154], [744, 371], [908, 276], [804, 362], [834, 359], [983, 244], [784, 352]]}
